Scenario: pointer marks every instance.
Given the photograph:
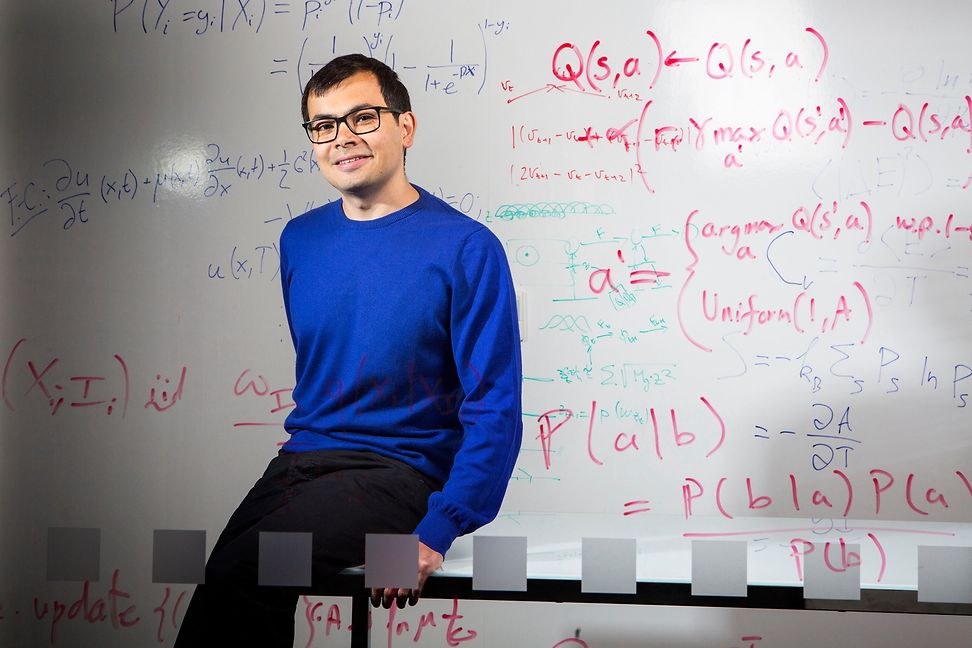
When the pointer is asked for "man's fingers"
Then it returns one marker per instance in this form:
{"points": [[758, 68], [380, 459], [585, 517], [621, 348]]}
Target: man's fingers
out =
{"points": [[429, 561], [398, 596], [401, 597], [406, 596]]}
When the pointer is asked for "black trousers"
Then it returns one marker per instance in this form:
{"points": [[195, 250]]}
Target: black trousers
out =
{"points": [[338, 497]]}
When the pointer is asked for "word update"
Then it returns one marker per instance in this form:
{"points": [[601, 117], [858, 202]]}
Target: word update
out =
{"points": [[116, 610]]}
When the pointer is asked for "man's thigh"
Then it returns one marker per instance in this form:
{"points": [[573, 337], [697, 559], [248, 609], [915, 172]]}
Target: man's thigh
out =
{"points": [[338, 497]]}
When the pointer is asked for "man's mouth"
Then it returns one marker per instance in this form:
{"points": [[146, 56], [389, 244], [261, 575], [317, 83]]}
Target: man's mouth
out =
{"points": [[351, 161]]}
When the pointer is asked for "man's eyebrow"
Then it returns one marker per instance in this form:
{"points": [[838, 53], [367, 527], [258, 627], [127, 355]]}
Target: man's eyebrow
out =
{"points": [[329, 116]]}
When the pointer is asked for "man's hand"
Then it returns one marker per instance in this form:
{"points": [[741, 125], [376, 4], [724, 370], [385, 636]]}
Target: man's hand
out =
{"points": [[428, 561]]}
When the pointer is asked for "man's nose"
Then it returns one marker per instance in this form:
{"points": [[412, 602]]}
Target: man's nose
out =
{"points": [[343, 133]]}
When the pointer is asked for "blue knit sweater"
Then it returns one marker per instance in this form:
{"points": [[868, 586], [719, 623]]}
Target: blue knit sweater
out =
{"points": [[407, 345]]}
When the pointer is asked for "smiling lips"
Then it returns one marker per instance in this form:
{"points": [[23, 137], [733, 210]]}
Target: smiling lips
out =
{"points": [[351, 162]]}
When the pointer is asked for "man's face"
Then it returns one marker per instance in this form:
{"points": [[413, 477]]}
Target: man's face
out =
{"points": [[361, 165]]}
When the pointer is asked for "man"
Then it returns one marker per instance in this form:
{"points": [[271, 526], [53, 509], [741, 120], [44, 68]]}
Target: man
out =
{"points": [[407, 415]]}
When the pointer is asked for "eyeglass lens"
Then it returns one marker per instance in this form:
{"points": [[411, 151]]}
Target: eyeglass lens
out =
{"points": [[358, 122]]}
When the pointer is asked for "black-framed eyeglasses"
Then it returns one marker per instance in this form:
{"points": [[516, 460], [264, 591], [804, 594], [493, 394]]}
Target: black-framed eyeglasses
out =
{"points": [[360, 121]]}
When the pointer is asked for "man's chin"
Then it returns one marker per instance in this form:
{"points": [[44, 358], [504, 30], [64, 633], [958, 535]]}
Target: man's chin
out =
{"points": [[347, 185]]}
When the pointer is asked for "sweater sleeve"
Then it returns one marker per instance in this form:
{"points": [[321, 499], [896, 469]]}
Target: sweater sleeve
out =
{"points": [[486, 350]]}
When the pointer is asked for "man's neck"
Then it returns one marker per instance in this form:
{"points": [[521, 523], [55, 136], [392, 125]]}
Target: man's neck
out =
{"points": [[370, 206]]}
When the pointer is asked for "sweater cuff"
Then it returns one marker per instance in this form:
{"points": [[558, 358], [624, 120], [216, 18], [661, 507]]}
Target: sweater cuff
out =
{"points": [[437, 531]]}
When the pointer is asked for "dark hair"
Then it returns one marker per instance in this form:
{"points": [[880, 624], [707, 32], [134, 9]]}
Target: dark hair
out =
{"points": [[342, 67]]}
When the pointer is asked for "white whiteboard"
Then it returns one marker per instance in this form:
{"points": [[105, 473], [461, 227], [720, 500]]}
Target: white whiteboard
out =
{"points": [[151, 154]]}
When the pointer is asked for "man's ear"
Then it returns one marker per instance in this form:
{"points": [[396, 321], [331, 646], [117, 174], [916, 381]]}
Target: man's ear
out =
{"points": [[407, 125]]}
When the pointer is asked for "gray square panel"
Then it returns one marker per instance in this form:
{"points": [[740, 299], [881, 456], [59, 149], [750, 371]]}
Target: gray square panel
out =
{"points": [[719, 568], [608, 565], [499, 563], [832, 571], [73, 554], [391, 560], [945, 574], [178, 556], [285, 559]]}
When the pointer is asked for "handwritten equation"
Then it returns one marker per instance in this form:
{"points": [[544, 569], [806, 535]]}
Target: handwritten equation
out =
{"points": [[840, 544], [830, 125], [604, 70], [459, 65], [208, 17], [38, 380], [71, 195]]}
